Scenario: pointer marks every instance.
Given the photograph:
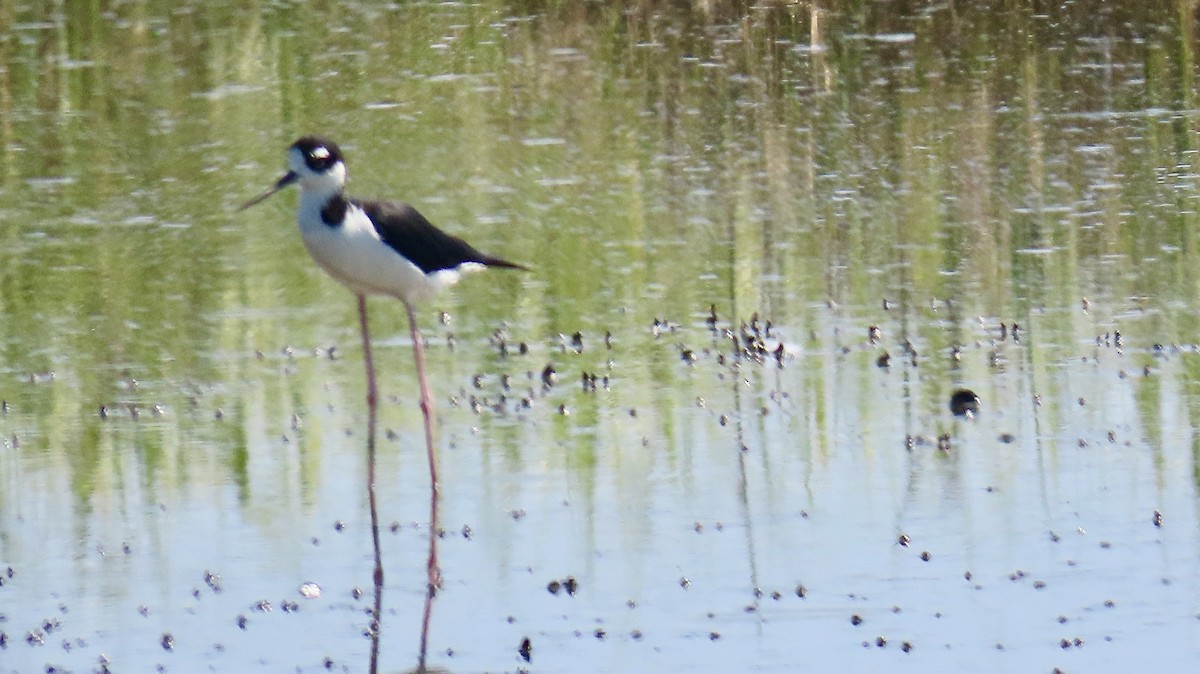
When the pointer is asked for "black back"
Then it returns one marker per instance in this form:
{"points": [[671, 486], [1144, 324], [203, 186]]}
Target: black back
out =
{"points": [[408, 233]]}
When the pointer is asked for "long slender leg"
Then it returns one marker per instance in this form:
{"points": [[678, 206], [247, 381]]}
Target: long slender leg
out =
{"points": [[431, 566], [372, 397]]}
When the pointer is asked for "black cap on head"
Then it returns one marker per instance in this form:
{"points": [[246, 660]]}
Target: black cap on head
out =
{"points": [[319, 153]]}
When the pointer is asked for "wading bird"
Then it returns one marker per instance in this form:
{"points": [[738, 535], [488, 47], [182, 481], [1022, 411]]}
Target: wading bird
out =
{"points": [[377, 248]]}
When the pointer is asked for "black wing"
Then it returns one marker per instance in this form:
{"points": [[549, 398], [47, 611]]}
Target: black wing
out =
{"points": [[407, 232]]}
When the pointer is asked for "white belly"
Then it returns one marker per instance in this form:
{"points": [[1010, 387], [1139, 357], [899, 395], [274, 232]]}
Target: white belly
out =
{"points": [[354, 254]]}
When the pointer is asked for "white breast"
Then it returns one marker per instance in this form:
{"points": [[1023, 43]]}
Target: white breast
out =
{"points": [[353, 253]]}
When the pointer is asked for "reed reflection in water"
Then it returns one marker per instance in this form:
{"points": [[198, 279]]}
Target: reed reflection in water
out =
{"points": [[181, 396]]}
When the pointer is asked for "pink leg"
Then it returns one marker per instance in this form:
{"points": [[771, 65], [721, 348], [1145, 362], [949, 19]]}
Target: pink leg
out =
{"points": [[371, 416], [431, 566]]}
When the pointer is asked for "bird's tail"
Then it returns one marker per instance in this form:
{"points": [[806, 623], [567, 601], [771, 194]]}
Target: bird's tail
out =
{"points": [[502, 264]]}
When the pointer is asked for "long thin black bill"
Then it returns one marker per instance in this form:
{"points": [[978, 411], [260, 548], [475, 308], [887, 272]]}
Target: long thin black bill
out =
{"points": [[287, 179]]}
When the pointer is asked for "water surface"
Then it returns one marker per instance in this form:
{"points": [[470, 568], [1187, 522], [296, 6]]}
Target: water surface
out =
{"points": [[999, 200]]}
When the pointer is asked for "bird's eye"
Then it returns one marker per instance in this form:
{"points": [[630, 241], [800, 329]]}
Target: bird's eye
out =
{"points": [[319, 158]]}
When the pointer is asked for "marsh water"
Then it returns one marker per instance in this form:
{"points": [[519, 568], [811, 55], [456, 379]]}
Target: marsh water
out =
{"points": [[780, 236]]}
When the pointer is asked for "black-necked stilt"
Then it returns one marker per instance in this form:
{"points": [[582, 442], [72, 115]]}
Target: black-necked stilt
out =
{"points": [[377, 248]]}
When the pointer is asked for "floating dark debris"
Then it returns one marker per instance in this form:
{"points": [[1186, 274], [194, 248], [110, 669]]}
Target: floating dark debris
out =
{"points": [[526, 650], [964, 403], [213, 581]]}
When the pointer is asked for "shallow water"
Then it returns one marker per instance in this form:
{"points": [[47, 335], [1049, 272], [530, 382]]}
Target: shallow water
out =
{"points": [[1008, 197]]}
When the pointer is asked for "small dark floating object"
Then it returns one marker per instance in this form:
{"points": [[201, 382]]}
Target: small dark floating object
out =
{"points": [[943, 442], [874, 334], [903, 540], [588, 381], [526, 650], [884, 361], [554, 587], [571, 585], [168, 642], [964, 402], [577, 342], [713, 636], [925, 556], [906, 647], [1158, 518], [856, 620], [213, 581], [1007, 438], [801, 591], [600, 633]]}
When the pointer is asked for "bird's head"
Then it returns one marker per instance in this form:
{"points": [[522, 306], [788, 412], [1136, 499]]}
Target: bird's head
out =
{"points": [[313, 162]]}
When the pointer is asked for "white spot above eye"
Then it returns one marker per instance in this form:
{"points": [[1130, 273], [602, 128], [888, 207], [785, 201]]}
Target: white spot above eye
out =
{"points": [[320, 152]]}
